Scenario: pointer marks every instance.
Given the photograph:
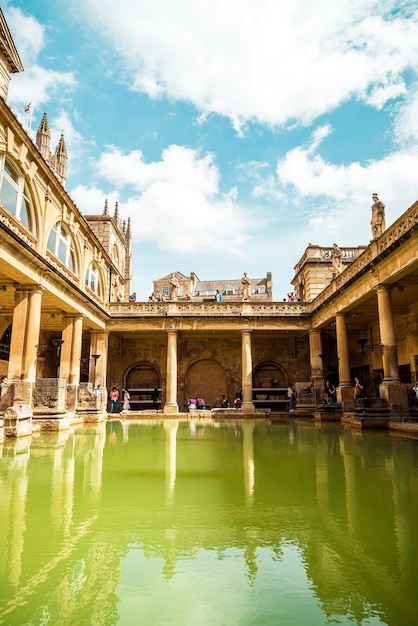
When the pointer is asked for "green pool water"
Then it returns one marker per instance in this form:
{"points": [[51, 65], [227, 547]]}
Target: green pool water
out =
{"points": [[177, 523]]}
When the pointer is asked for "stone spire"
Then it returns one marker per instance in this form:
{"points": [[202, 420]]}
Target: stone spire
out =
{"points": [[106, 208], [61, 158], [128, 229], [43, 138], [116, 213]]}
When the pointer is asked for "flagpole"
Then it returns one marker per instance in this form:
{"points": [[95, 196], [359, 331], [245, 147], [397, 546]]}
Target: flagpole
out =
{"points": [[28, 109]]}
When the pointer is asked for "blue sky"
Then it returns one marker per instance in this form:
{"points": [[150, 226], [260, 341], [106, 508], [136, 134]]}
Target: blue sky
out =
{"points": [[232, 133]]}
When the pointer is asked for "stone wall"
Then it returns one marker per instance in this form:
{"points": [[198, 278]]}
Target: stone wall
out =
{"points": [[208, 365]]}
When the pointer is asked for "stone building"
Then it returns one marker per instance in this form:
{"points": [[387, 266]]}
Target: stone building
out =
{"points": [[191, 287], [67, 325]]}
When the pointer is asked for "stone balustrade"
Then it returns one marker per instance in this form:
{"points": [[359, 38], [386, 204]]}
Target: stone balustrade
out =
{"points": [[212, 309]]}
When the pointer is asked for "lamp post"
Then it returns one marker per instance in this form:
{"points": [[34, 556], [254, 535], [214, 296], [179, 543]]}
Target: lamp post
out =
{"points": [[95, 357], [58, 344]]}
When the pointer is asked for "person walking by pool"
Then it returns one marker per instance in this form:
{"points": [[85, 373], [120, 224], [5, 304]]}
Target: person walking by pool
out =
{"points": [[359, 391], [126, 397], [114, 400], [155, 398], [291, 394]]}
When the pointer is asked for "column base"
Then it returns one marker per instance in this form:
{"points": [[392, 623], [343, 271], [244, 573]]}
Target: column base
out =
{"points": [[345, 397], [395, 393], [247, 407], [171, 407]]}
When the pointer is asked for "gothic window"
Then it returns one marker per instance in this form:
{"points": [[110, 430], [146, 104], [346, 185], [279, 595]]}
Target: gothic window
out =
{"points": [[13, 193], [115, 257], [92, 278], [60, 244]]}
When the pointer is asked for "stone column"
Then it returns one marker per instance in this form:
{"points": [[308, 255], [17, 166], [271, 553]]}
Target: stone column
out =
{"points": [[65, 354], [74, 373], [71, 349], [25, 334], [391, 389], [247, 373], [344, 389], [387, 335], [317, 365], [171, 405]]}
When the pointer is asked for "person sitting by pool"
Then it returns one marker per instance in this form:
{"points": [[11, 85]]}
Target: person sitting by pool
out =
{"points": [[200, 403], [224, 402], [237, 401], [191, 405]]}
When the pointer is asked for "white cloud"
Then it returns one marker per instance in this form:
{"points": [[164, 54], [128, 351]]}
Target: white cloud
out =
{"points": [[331, 201], [406, 122], [91, 200], [271, 61], [36, 84], [175, 202]]}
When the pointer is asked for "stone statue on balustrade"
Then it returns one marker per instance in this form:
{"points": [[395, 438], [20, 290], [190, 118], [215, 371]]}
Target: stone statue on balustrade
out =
{"points": [[246, 287], [378, 222], [337, 259], [174, 287]]}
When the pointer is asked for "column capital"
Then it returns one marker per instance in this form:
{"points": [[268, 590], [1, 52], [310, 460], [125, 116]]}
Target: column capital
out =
{"points": [[381, 287], [33, 288]]}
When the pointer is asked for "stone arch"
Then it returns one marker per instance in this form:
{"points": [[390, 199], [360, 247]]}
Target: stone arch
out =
{"points": [[5, 340], [206, 378], [143, 381], [142, 375], [269, 374]]}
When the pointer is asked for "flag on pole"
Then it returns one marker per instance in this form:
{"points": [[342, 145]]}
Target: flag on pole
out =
{"points": [[27, 107]]}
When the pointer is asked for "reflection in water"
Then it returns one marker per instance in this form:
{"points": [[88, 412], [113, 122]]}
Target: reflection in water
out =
{"points": [[249, 523]]}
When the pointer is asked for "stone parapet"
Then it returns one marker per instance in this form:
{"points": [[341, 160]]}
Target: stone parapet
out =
{"points": [[212, 309]]}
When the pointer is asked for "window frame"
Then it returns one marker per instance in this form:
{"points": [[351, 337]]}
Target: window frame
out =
{"points": [[63, 248], [17, 185], [92, 272]]}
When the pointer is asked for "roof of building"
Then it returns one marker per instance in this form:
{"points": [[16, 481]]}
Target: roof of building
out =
{"points": [[227, 285], [8, 47], [178, 275]]}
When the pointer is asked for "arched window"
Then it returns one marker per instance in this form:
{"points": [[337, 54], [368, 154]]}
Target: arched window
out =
{"points": [[60, 244], [92, 278], [13, 193], [115, 256]]}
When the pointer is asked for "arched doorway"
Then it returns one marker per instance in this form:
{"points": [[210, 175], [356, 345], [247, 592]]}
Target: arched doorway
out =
{"points": [[5, 344], [143, 382], [207, 379], [270, 383], [269, 374]]}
